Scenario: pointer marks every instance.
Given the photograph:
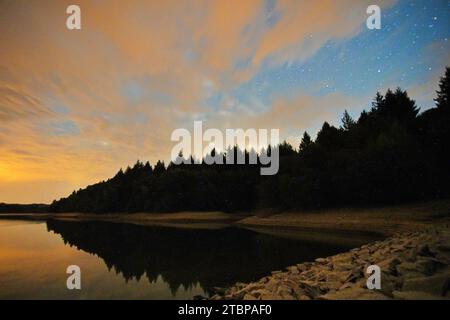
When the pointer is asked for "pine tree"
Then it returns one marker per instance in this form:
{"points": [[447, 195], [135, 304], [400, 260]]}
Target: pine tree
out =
{"points": [[306, 142], [395, 105], [286, 149], [443, 94], [328, 136], [159, 167], [347, 121], [148, 168], [377, 103], [119, 174]]}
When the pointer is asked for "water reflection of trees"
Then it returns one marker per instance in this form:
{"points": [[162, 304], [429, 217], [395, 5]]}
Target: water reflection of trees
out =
{"points": [[185, 257]]}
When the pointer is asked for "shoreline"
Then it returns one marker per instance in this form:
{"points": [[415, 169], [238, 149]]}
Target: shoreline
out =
{"points": [[414, 250], [414, 265], [385, 221]]}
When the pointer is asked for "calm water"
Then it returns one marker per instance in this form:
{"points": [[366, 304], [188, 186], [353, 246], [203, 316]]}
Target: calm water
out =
{"points": [[123, 261]]}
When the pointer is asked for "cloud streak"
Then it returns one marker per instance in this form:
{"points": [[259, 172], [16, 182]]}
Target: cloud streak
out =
{"points": [[77, 105]]}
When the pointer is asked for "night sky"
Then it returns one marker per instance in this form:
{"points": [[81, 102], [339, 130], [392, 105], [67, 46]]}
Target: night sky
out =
{"points": [[75, 106]]}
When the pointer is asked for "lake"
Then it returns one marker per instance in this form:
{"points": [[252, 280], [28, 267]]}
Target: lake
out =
{"points": [[126, 261]]}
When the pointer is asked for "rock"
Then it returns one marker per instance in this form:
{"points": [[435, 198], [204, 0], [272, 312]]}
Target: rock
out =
{"points": [[239, 295], [343, 266], [240, 285], [264, 280], [307, 265], [322, 276], [354, 275], [302, 267], [414, 295], [219, 290], [425, 251], [283, 289], [346, 286], [248, 296], [270, 296], [409, 270], [429, 266], [287, 297], [330, 285], [336, 276], [411, 256], [276, 272], [389, 283], [309, 275], [437, 285], [321, 260], [397, 248], [312, 290], [272, 285], [285, 292], [389, 265], [293, 270], [292, 281], [355, 293], [414, 266], [341, 259], [253, 286]]}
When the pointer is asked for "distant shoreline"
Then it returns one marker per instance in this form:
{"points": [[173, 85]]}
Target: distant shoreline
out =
{"points": [[380, 220]]}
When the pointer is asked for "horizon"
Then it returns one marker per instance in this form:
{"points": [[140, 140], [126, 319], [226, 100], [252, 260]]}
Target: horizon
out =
{"points": [[195, 160], [78, 105]]}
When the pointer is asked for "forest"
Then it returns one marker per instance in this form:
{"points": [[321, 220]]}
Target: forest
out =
{"points": [[23, 208], [392, 153]]}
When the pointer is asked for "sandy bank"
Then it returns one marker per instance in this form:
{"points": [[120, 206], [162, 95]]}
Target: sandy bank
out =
{"points": [[381, 220], [204, 220], [384, 221]]}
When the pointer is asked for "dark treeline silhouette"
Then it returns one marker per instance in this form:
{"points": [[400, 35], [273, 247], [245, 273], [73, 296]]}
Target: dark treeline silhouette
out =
{"points": [[390, 154], [23, 208], [184, 257]]}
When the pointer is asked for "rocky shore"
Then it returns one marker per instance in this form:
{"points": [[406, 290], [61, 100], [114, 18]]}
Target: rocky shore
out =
{"points": [[414, 265]]}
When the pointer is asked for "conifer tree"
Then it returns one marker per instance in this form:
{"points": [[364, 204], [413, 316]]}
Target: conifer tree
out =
{"points": [[443, 94], [347, 121], [306, 142]]}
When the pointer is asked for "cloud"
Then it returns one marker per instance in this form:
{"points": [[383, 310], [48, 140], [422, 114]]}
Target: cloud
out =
{"points": [[77, 105], [305, 26], [16, 104], [436, 57], [291, 114]]}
